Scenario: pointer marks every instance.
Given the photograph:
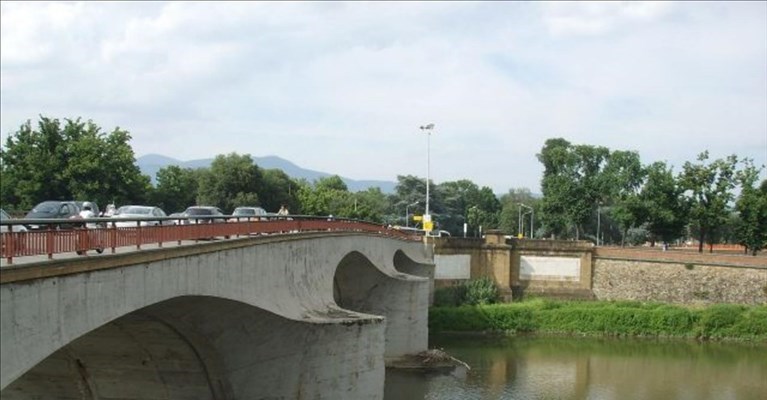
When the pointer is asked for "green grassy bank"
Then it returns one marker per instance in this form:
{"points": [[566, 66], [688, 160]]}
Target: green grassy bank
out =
{"points": [[602, 318]]}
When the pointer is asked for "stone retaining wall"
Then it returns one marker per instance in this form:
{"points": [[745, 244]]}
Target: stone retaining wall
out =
{"points": [[614, 279]]}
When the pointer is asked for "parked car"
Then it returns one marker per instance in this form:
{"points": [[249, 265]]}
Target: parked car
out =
{"points": [[248, 213], [54, 209], [201, 214], [4, 216], [133, 211], [180, 217]]}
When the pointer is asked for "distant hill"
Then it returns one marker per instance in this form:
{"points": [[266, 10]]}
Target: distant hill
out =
{"points": [[151, 163]]}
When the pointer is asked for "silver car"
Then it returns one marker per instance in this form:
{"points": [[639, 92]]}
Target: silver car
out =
{"points": [[248, 213], [136, 212], [4, 216]]}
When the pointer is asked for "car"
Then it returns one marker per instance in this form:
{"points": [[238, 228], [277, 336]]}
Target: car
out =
{"points": [[248, 214], [53, 209], [180, 217], [4, 216], [201, 214], [137, 211]]}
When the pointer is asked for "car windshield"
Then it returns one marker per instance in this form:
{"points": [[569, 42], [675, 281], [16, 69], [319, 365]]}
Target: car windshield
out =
{"points": [[47, 207], [199, 211], [134, 210], [4, 216]]}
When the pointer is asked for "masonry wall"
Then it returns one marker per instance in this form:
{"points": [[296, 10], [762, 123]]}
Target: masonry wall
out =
{"points": [[589, 273], [677, 283]]}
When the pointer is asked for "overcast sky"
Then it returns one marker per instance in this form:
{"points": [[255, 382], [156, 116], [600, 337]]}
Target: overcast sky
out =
{"points": [[343, 87]]}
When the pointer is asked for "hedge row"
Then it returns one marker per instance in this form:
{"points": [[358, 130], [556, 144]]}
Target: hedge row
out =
{"points": [[623, 318]]}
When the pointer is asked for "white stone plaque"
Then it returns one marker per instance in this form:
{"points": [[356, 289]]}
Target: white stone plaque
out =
{"points": [[537, 268], [453, 266]]}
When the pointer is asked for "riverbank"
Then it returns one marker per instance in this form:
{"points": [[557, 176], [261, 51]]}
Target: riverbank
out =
{"points": [[606, 318]]}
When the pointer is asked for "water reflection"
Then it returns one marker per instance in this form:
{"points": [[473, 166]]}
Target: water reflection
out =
{"points": [[566, 368]]}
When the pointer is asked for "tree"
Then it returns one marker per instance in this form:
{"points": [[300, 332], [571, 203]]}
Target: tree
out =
{"points": [[708, 190], [176, 188], [70, 161], [664, 203], [572, 183], [231, 180], [622, 176], [278, 189], [751, 229], [508, 220], [328, 196]]}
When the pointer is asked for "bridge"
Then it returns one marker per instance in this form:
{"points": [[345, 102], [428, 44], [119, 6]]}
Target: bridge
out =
{"points": [[314, 309]]}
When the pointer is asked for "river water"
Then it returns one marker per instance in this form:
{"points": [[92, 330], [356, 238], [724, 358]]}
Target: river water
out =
{"points": [[580, 368]]}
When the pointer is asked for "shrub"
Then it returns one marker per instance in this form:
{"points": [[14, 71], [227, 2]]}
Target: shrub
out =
{"points": [[482, 291]]}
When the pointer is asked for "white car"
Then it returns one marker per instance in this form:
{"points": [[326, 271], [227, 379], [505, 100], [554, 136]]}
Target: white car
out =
{"points": [[13, 228], [137, 212]]}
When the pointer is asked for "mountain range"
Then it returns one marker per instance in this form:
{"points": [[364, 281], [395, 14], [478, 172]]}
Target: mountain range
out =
{"points": [[151, 163]]}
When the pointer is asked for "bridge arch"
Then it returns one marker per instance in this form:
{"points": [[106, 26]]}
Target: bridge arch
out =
{"points": [[233, 304]]}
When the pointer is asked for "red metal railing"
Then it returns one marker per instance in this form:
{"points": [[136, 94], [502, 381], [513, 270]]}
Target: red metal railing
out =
{"points": [[107, 236]]}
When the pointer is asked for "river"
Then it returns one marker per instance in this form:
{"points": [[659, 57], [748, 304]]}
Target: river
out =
{"points": [[583, 368]]}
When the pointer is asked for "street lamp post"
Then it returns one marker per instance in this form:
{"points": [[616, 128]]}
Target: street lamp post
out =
{"points": [[407, 213], [532, 216], [427, 129]]}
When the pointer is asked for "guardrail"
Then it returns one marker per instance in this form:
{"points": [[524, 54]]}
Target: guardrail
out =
{"points": [[55, 236]]}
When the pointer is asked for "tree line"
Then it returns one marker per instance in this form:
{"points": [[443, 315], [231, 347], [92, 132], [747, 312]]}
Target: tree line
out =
{"points": [[589, 192]]}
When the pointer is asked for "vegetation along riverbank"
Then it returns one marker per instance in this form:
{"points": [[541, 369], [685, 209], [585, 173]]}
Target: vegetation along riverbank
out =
{"points": [[602, 318]]}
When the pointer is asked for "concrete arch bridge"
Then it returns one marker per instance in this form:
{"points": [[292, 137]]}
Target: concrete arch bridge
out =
{"points": [[300, 316]]}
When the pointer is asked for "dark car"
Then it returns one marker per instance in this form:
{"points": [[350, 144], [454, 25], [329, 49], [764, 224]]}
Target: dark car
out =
{"points": [[53, 209], [202, 215]]}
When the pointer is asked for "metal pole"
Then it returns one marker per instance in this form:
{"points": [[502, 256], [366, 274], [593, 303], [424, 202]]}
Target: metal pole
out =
{"points": [[428, 128], [428, 167], [599, 220], [532, 217], [519, 221]]}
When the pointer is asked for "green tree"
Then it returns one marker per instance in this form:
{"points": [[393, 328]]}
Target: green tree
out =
{"points": [[510, 209], [572, 184], [409, 190], [663, 200], [231, 180], [708, 190], [751, 229], [622, 176], [176, 188], [327, 196], [278, 189], [73, 160], [368, 205]]}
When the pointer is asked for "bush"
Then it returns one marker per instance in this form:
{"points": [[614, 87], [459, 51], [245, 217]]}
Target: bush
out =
{"points": [[482, 291]]}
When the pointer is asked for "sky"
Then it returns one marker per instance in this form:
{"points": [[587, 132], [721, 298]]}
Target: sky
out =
{"points": [[344, 88]]}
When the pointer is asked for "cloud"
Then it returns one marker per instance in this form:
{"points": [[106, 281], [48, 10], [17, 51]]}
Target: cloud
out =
{"points": [[594, 18], [343, 86]]}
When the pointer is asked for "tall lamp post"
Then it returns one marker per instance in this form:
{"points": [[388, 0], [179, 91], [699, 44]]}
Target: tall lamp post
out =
{"points": [[407, 212], [532, 216], [427, 129]]}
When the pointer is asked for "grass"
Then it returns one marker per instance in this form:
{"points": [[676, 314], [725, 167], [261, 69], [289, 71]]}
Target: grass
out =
{"points": [[603, 318]]}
